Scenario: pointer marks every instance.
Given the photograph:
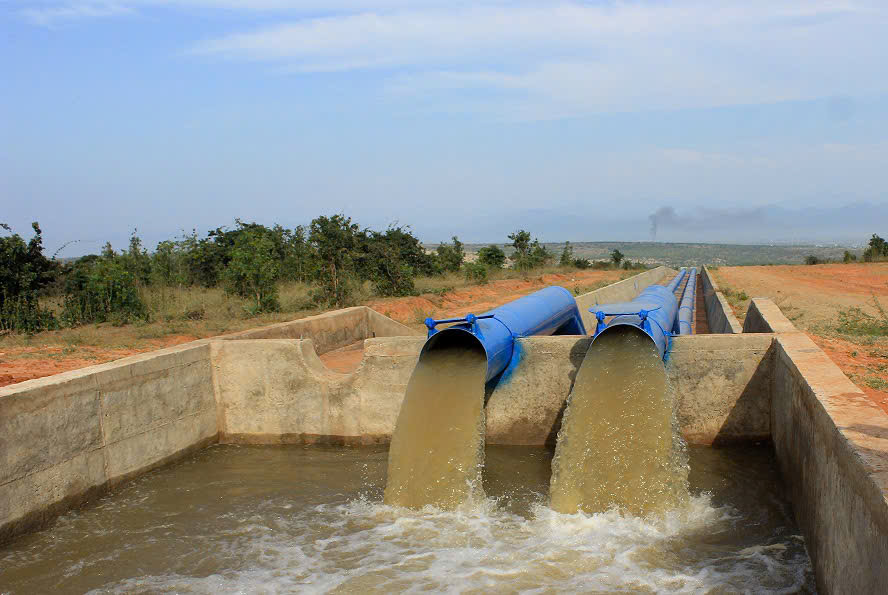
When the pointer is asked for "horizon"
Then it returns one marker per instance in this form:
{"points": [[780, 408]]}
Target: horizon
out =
{"points": [[470, 118]]}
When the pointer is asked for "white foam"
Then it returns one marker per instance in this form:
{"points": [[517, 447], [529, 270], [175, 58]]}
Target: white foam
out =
{"points": [[362, 546]]}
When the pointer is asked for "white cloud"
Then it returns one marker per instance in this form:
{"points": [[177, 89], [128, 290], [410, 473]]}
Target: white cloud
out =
{"points": [[535, 60]]}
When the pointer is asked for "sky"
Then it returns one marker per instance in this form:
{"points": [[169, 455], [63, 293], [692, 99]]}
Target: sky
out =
{"points": [[682, 120]]}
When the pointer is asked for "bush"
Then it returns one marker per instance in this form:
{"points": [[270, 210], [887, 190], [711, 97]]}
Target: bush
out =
{"points": [[24, 271], [335, 240], [855, 321], [253, 271], [582, 263], [567, 255], [451, 256], [475, 272], [811, 259], [492, 256], [100, 289], [849, 257]]}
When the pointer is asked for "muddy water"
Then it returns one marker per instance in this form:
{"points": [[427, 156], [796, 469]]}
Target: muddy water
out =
{"points": [[437, 449], [618, 445], [293, 519]]}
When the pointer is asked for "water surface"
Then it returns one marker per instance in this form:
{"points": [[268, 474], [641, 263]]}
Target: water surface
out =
{"points": [[311, 519]]}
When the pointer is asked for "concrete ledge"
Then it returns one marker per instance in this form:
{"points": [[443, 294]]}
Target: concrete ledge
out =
{"points": [[832, 446], [330, 330], [718, 311], [763, 316], [69, 437]]}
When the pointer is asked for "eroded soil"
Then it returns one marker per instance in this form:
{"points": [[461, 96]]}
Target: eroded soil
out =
{"points": [[813, 297]]}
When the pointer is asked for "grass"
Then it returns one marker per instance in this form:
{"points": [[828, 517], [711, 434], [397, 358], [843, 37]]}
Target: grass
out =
{"points": [[197, 312], [854, 322], [738, 300]]}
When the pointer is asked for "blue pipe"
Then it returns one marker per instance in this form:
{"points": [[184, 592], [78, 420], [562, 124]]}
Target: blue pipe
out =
{"points": [[549, 311], [686, 309], [653, 312]]}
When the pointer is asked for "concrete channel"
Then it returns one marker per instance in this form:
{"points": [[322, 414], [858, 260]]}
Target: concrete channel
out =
{"points": [[68, 438]]}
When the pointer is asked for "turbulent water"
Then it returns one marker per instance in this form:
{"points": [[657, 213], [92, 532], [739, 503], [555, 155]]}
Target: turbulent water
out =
{"points": [[618, 445], [294, 519], [437, 450]]}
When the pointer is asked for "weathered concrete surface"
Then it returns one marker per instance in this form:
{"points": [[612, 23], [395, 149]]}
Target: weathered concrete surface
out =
{"points": [[330, 330], [763, 316], [723, 387], [526, 406], [278, 391], [68, 437], [718, 310], [832, 447], [621, 291]]}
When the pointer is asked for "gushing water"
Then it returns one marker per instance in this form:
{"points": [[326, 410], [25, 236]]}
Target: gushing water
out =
{"points": [[618, 445], [437, 449], [309, 520]]}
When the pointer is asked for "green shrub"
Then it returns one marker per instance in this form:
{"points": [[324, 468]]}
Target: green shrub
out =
{"points": [[582, 263], [492, 256], [451, 256], [253, 271], [24, 271], [475, 272], [854, 321], [335, 240], [100, 289]]}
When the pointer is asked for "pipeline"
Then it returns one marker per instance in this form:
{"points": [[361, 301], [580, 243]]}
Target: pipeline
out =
{"points": [[652, 312], [686, 309], [549, 311]]}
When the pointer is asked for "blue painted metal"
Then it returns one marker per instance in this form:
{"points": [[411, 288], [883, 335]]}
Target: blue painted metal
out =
{"points": [[549, 311], [653, 311], [686, 309]]}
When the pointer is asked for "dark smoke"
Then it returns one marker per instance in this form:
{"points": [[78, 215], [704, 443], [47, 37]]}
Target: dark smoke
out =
{"points": [[704, 219]]}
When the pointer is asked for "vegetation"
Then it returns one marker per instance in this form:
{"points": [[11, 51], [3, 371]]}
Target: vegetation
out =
{"points": [[24, 272], [857, 323], [492, 257], [876, 250]]}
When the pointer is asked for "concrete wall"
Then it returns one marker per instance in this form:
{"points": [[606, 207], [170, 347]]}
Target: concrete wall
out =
{"points": [[330, 330], [831, 443], [68, 437], [763, 316], [718, 311], [278, 391], [621, 291]]}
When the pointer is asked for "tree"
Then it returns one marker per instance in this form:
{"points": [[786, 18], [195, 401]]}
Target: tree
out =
{"points": [[849, 257], [136, 260], [451, 256], [253, 270], [521, 243], [617, 257], [877, 249], [386, 260], [567, 255], [492, 256], [24, 271], [100, 289], [334, 240]]}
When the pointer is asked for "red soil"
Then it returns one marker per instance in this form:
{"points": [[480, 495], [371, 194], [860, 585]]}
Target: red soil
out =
{"points": [[479, 298], [812, 297]]}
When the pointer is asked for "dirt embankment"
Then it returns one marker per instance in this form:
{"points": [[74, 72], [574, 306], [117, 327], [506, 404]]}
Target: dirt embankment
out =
{"points": [[813, 297], [477, 299], [44, 355]]}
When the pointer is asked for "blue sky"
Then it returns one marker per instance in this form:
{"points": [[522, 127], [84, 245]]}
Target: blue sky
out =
{"points": [[577, 120]]}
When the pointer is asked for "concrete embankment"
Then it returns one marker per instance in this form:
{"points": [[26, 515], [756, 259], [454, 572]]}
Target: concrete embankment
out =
{"points": [[718, 311], [67, 438]]}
